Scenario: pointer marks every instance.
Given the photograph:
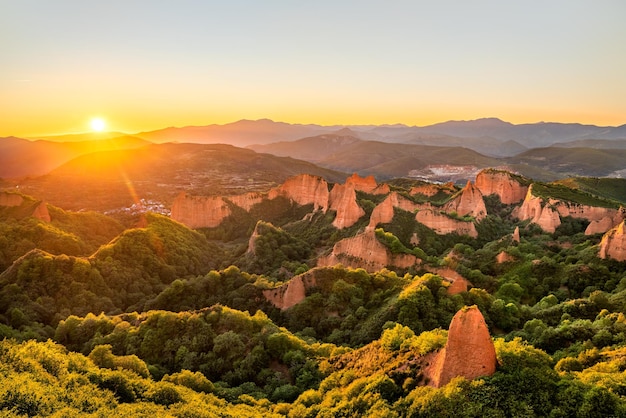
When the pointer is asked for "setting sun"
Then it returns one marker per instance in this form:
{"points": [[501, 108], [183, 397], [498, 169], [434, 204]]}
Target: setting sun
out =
{"points": [[98, 124]]}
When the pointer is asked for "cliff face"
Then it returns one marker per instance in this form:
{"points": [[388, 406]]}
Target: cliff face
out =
{"points": [[468, 202], [304, 189], [291, 293], [430, 190], [383, 212], [538, 211], [343, 200], [366, 184], [246, 201], [601, 219], [469, 351], [502, 184], [458, 283], [613, 244], [10, 199], [198, 212], [365, 251], [41, 212], [547, 214], [443, 224]]}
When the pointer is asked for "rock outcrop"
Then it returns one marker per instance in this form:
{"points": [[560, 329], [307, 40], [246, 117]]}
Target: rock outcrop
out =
{"points": [[30, 207], [10, 199], [443, 224], [342, 199], [246, 201], [601, 219], [613, 244], [383, 212], [304, 189], [538, 211], [41, 212], [366, 184], [515, 237], [430, 189], [547, 213], [468, 202], [291, 293], [199, 212], [365, 251], [469, 351], [501, 183], [504, 257], [458, 283]]}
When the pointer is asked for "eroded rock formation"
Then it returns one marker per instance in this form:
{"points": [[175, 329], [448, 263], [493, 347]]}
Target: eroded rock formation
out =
{"points": [[365, 251], [504, 257], [468, 202], [366, 184], [10, 199], [383, 212], [601, 219], [199, 212], [538, 211], [343, 200], [443, 224], [501, 183], [458, 283], [430, 189], [515, 237], [41, 212], [246, 201], [304, 189], [291, 293], [613, 244], [469, 351]]}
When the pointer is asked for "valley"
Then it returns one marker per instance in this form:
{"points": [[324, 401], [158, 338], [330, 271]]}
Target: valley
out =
{"points": [[204, 279]]}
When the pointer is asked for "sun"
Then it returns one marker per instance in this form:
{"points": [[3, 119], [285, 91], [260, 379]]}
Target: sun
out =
{"points": [[98, 124]]}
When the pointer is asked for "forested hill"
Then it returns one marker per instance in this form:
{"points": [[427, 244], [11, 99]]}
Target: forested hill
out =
{"points": [[319, 298]]}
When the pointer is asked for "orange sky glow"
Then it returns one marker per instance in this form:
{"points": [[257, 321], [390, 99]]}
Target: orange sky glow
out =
{"points": [[144, 66]]}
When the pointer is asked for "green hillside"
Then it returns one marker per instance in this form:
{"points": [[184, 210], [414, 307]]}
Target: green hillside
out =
{"points": [[156, 318], [607, 188]]}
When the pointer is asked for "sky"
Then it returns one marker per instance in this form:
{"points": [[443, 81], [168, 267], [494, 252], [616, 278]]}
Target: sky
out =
{"points": [[148, 64]]}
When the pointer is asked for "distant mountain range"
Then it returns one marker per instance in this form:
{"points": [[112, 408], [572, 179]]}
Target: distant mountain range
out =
{"points": [[540, 150]]}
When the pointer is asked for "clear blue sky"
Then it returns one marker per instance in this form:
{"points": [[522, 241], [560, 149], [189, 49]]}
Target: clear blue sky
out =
{"points": [[149, 64]]}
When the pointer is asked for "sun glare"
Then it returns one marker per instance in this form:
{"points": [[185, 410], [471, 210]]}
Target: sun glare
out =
{"points": [[98, 124]]}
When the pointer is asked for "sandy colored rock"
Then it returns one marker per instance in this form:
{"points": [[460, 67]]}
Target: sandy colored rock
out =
{"points": [[10, 199], [199, 212], [246, 201], [364, 184], [343, 200], [365, 251], [469, 351], [443, 224], [468, 202], [501, 183], [504, 257], [304, 189], [458, 283], [291, 293], [431, 189], [538, 211], [599, 227], [383, 212], [515, 235], [41, 212], [613, 244]]}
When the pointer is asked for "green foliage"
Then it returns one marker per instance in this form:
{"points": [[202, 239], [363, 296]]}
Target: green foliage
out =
{"points": [[561, 192], [274, 248]]}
